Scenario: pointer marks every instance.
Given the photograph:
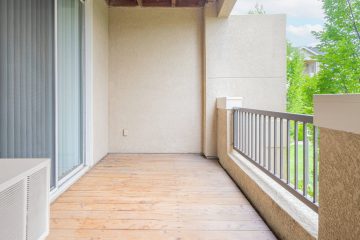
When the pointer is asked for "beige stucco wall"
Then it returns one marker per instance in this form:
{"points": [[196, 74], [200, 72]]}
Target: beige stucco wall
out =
{"points": [[339, 199], [338, 118], [155, 75], [245, 57], [100, 79]]}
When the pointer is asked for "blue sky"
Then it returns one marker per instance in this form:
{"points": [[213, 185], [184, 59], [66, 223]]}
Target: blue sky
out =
{"points": [[303, 16]]}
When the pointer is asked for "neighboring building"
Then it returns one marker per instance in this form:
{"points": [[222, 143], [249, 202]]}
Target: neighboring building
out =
{"points": [[312, 66]]}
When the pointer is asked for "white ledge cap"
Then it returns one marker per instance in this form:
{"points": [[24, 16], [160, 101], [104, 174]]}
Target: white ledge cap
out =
{"points": [[229, 102], [338, 112]]}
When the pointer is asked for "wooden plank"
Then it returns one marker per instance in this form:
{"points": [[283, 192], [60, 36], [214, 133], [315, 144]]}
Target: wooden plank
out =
{"points": [[161, 214], [150, 206], [155, 197], [157, 224], [86, 234]]}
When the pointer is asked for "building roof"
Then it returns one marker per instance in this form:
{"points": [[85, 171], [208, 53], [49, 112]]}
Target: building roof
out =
{"points": [[313, 50]]}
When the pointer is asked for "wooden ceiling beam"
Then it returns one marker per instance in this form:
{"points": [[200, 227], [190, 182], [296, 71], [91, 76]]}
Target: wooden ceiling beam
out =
{"points": [[158, 3]]}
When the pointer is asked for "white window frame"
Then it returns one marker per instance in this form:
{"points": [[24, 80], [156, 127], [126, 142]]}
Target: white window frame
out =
{"points": [[63, 184]]}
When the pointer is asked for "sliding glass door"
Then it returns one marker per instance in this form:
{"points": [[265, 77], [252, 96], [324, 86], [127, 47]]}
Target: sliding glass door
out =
{"points": [[69, 86], [41, 83], [27, 80]]}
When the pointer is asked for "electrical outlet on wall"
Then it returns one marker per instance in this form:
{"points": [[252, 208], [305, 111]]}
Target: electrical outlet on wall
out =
{"points": [[125, 132]]}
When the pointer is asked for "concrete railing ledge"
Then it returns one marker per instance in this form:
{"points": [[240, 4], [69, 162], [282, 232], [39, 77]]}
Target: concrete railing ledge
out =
{"points": [[286, 215]]}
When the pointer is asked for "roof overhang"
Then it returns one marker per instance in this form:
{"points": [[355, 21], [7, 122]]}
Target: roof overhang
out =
{"points": [[156, 3], [225, 7]]}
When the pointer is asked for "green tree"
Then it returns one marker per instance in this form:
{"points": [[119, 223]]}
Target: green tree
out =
{"points": [[340, 43], [300, 87], [308, 89], [295, 80]]}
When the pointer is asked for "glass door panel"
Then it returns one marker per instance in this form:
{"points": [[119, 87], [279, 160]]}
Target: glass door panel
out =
{"points": [[27, 79], [69, 86]]}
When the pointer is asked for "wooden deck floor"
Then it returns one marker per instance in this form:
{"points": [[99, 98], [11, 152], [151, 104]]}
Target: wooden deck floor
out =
{"points": [[155, 197]]}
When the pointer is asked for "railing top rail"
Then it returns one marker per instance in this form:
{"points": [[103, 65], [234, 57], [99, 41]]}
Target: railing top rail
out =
{"points": [[290, 116]]}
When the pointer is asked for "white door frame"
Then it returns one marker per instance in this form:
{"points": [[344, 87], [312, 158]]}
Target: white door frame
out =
{"points": [[63, 184]]}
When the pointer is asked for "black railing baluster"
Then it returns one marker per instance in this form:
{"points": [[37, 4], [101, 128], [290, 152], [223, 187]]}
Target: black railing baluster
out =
{"points": [[241, 130], [288, 151], [281, 148], [315, 165], [235, 132], [256, 138], [248, 133], [275, 145], [269, 143], [296, 155], [264, 141], [305, 160], [260, 142], [236, 118], [245, 133], [240, 127], [251, 134]]}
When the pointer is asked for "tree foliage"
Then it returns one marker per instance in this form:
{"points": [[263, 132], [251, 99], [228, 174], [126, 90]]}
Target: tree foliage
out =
{"points": [[340, 43], [339, 64], [259, 9], [295, 78]]}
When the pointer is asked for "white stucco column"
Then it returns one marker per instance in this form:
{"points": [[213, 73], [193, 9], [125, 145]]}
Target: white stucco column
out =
{"points": [[224, 131], [338, 117], [229, 103]]}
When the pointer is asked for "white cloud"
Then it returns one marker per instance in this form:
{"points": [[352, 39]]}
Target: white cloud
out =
{"points": [[302, 35], [303, 30], [303, 16], [293, 8]]}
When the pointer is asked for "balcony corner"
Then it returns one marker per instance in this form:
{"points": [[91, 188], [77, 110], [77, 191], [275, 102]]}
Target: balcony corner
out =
{"points": [[338, 117], [286, 215]]}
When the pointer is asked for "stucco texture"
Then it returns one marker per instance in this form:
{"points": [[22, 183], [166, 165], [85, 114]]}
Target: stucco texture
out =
{"points": [[339, 185], [245, 57], [155, 80], [100, 79]]}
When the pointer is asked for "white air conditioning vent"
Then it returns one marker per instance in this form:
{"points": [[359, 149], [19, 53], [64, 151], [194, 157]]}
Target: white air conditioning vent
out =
{"points": [[36, 200], [24, 199], [13, 212]]}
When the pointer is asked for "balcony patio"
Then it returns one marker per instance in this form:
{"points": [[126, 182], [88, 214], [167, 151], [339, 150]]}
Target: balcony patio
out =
{"points": [[134, 119], [155, 196]]}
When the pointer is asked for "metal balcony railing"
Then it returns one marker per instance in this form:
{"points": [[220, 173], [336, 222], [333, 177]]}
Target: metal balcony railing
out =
{"points": [[284, 146]]}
